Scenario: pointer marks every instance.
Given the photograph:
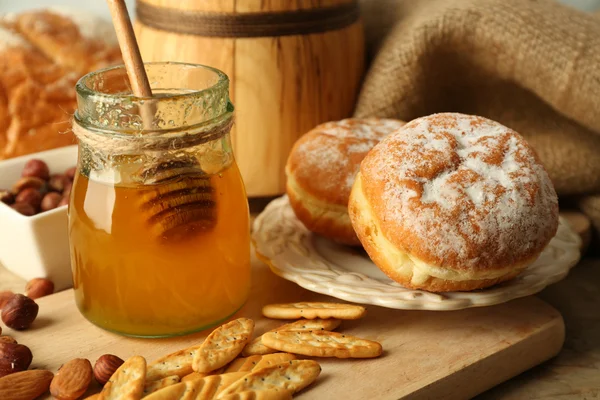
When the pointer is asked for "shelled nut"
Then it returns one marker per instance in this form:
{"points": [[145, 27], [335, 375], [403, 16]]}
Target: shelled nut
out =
{"points": [[19, 312], [39, 287], [72, 380]]}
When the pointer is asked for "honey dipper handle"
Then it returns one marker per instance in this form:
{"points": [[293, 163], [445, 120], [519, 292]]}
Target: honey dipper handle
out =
{"points": [[129, 49]]}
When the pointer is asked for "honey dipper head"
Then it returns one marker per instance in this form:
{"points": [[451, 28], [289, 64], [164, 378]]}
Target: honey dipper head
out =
{"points": [[453, 202], [179, 198]]}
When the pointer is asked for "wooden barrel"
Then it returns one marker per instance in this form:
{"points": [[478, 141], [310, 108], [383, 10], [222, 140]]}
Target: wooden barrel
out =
{"points": [[292, 63]]}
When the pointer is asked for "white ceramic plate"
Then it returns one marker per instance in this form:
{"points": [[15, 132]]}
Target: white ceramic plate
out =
{"points": [[322, 266]]}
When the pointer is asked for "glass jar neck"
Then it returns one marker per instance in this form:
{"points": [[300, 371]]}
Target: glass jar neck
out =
{"points": [[185, 97], [126, 139]]}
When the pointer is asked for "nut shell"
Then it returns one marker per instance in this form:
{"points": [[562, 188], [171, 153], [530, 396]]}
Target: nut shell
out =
{"points": [[14, 358], [36, 168], [105, 367], [19, 312], [39, 287], [72, 380]]}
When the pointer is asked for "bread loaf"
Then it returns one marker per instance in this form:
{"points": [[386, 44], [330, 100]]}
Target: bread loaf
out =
{"points": [[42, 55]]}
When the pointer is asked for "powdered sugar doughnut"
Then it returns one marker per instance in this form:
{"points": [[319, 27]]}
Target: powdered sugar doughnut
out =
{"points": [[453, 202], [321, 169]]}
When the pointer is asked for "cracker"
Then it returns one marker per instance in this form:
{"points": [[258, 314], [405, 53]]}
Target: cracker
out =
{"points": [[199, 375], [127, 383], [254, 363], [178, 363], [322, 344], [272, 394], [312, 310], [153, 386], [223, 345], [292, 375], [256, 347], [201, 389], [179, 391]]}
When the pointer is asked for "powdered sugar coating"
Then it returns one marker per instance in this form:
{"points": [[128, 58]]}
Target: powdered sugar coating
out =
{"points": [[325, 160], [462, 192]]}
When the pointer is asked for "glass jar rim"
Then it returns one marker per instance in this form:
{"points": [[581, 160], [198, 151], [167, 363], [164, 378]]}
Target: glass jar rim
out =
{"points": [[83, 89]]}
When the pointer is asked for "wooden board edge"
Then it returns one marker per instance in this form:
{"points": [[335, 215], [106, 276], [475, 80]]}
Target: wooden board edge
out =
{"points": [[499, 367]]}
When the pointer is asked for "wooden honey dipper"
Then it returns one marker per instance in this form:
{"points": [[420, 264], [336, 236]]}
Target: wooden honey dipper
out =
{"points": [[180, 197]]}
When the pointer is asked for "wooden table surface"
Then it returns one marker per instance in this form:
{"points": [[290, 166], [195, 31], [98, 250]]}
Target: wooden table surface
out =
{"points": [[573, 374]]}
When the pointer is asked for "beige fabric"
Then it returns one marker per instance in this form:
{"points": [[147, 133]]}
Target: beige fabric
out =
{"points": [[533, 65]]}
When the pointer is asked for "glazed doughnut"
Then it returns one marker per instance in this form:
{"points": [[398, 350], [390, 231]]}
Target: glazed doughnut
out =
{"points": [[321, 169], [453, 202]]}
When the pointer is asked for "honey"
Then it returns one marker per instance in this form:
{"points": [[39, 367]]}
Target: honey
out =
{"points": [[131, 280]]}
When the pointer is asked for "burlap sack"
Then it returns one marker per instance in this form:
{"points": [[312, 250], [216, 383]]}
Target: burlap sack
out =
{"points": [[533, 65]]}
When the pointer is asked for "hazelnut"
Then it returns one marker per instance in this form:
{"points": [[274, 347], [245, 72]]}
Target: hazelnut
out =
{"points": [[4, 297], [70, 173], [19, 312], [37, 168], [64, 201], [7, 339], [50, 201], [26, 183], [57, 183], [39, 287], [24, 208], [6, 197], [67, 190], [105, 367], [30, 196], [14, 358]]}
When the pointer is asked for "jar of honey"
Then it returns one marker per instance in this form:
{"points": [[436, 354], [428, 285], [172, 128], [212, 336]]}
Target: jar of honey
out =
{"points": [[158, 217]]}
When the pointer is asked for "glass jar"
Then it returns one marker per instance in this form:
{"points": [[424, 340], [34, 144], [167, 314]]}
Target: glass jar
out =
{"points": [[158, 217]]}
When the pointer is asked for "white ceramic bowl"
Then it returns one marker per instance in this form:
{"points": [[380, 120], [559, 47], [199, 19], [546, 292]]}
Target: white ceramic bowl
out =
{"points": [[36, 246]]}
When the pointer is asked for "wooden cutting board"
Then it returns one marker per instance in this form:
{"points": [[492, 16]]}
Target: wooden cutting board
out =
{"points": [[428, 354]]}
